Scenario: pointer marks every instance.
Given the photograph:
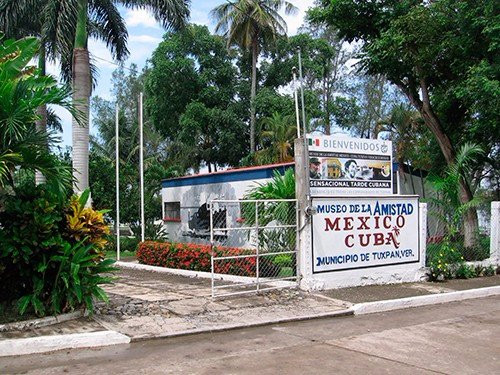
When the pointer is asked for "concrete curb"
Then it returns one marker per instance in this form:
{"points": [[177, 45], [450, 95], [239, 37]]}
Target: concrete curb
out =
{"points": [[43, 344], [41, 322], [432, 299], [229, 327]]}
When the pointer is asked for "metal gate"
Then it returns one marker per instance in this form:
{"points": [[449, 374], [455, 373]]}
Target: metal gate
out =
{"points": [[254, 245]]}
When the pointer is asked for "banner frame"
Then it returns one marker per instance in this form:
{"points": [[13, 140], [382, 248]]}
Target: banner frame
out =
{"points": [[343, 197]]}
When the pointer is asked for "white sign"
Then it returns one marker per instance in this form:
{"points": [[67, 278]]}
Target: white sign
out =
{"points": [[352, 233], [349, 166]]}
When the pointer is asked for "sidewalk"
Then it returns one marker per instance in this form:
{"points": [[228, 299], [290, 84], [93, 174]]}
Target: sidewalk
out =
{"points": [[145, 305], [148, 304]]}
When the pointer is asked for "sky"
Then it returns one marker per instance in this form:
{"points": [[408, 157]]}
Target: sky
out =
{"points": [[144, 36]]}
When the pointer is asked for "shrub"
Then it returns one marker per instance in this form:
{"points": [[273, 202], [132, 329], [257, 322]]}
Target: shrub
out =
{"points": [[42, 268], [464, 271], [31, 226], [198, 258], [489, 271], [443, 263], [76, 281], [152, 231], [85, 223]]}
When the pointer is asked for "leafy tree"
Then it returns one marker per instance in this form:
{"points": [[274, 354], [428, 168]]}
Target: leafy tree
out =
{"points": [[436, 53], [191, 99], [252, 24], [447, 206], [322, 64], [413, 143]]}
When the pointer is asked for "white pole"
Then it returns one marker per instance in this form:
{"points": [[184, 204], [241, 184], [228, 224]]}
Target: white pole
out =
{"points": [[117, 162], [296, 97], [141, 164]]}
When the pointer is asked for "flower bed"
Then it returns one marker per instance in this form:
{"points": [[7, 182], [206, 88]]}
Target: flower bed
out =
{"points": [[195, 257]]}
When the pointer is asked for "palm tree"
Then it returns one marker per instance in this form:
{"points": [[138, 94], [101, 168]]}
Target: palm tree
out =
{"points": [[277, 139], [251, 24], [67, 26], [171, 13]]}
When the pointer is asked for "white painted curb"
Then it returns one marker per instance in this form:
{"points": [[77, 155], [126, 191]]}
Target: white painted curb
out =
{"points": [[201, 274], [40, 322], [42, 344], [404, 303]]}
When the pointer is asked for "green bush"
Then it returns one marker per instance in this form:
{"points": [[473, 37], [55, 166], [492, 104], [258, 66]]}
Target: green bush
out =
{"points": [[443, 261], [477, 253], [464, 271], [41, 268], [152, 231], [489, 271]]}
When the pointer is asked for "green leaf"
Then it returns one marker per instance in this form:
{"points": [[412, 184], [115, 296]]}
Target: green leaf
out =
{"points": [[84, 197], [38, 305], [78, 292], [101, 294], [23, 303]]}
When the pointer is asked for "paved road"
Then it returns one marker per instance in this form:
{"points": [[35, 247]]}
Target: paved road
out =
{"points": [[454, 338]]}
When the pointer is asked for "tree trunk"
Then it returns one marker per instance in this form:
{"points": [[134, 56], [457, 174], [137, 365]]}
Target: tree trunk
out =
{"points": [[81, 95], [255, 53], [41, 124], [470, 220]]}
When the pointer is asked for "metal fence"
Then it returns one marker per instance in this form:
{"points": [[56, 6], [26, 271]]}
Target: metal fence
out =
{"points": [[444, 227], [254, 245]]}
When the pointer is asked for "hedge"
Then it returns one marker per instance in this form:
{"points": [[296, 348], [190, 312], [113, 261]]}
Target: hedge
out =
{"points": [[195, 257]]}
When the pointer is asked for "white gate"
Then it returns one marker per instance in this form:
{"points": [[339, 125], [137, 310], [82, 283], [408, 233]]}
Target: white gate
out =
{"points": [[254, 245]]}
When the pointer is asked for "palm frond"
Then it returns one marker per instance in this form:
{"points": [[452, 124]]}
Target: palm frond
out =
{"points": [[171, 14], [106, 24]]}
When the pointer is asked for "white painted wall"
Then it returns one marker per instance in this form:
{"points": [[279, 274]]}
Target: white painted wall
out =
{"points": [[192, 197]]}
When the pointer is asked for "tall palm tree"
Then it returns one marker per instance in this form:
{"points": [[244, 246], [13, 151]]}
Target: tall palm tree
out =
{"points": [[171, 13], [251, 24], [67, 26]]}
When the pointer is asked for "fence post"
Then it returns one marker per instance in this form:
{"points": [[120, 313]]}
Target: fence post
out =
{"points": [[495, 233], [422, 217]]}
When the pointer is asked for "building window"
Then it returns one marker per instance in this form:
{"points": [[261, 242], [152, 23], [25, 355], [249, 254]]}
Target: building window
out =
{"points": [[172, 211]]}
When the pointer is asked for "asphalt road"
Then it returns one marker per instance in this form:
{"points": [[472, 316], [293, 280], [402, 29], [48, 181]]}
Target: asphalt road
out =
{"points": [[453, 338]]}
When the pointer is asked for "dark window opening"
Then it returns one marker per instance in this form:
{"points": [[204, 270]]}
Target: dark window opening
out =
{"points": [[172, 211]]}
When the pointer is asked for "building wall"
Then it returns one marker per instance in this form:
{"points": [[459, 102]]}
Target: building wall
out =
{"points": [[195, 192]]}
